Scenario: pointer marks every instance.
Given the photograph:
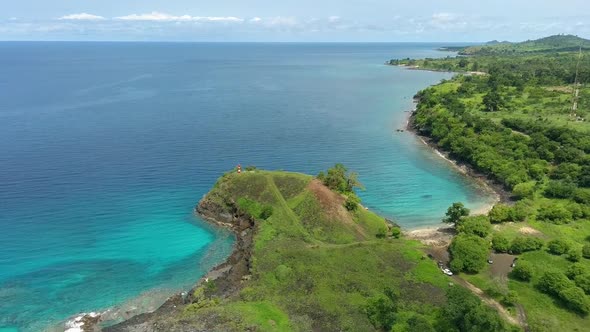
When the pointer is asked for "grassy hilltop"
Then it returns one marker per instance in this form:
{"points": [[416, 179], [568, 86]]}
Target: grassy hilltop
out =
{"points": [[320, 262], [513, 121]]}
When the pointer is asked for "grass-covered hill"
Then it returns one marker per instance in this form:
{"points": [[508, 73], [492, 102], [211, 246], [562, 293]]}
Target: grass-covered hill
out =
{"points": [[557, 43], [317, 262], [514, 122]]}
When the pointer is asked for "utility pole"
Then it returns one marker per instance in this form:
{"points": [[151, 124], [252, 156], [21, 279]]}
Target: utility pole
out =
{"points": [[576, 88]]}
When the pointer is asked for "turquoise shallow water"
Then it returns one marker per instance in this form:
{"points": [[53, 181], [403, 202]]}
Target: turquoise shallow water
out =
{"points": [[106, 148]]}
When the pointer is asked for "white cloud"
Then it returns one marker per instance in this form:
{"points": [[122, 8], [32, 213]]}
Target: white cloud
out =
{"points": [[81, 17], [255, 20], [154, 16], [163, 17], [333, 19], [282, 21]]}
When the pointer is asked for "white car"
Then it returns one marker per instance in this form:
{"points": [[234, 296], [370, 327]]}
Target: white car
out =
{"points": [[447, 272]]}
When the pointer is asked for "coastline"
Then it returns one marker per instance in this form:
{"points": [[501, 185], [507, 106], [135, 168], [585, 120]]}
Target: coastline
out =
{"points": [[439, 237], [227, 275], [489, 185], [235, 269]]}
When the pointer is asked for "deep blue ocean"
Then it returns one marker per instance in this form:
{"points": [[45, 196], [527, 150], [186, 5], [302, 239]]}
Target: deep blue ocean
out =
{"points": [[105, 148]]}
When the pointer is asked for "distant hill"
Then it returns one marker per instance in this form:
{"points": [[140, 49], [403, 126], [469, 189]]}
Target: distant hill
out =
{"points": [[557, 43]]}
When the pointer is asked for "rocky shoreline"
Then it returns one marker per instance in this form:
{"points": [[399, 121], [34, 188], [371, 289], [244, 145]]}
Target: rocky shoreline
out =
{"points": [[228, 276]]}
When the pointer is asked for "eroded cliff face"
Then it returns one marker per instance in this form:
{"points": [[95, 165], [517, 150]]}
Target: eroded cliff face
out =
{"points": [[230, 274], [228, 277]]}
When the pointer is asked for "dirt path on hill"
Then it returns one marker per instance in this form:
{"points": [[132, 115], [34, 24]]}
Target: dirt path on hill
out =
{"points": [[521, 315]]}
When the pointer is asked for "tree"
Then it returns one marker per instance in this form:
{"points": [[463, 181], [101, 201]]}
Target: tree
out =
{"points": [[525, 243], [492, 101], [582, 196], [417, 322], [522, 271], [555, 213], [352, 202], [524, 190], [558, 246], [553, 282], [468, 253], [583, 281], [482, 319], [468, 314], [455, 212], [500, 243], [560, 189], [575, 299], [382, 310], [477, 225], [500, 213], [586, 251], [574, 254], [463, 63], [575, 270]]}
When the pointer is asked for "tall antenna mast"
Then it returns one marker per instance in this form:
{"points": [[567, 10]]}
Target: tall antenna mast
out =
{"points": [[576, 89]]}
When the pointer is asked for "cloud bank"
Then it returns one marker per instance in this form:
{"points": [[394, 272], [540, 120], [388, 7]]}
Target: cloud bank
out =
{"points": [[162, 26], [163, 17], [81, 17]]}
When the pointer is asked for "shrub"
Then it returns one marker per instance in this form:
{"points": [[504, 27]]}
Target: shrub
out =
{"points": [[582, 196], [500, 213], [558, 246], [583, 281], [510, 299], [396, 232], [521, 210], [254, 209], [575, 270], [420, 323], [352, 202], [522, 271], [266, 212], [381, 233], [500, 243], [524, 190], [479, 225], [574, 254], [382, 310], [553, 282], [575, 299], [560, 189], [555, 213], [469, 253], [586, 251], [525, 243]]}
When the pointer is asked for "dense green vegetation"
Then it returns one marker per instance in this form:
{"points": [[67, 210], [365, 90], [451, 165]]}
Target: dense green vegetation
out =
{"points": [[513, 122], [558, 43], [318, 266]]}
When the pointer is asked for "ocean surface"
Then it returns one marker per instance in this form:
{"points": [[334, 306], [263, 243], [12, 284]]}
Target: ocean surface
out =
{"points": [[105, 148]]}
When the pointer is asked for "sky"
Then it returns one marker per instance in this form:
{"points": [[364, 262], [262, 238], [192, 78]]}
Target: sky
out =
{"points": [[292, 20]]}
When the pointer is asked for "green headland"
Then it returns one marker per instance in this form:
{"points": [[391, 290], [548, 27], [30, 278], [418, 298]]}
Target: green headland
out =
{"points": [[310, 258]]}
